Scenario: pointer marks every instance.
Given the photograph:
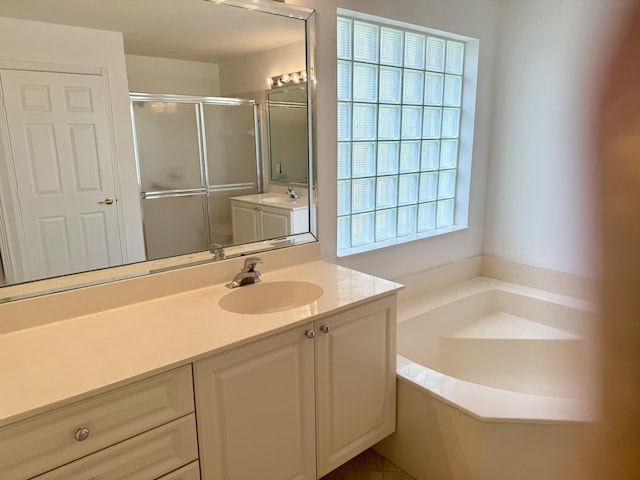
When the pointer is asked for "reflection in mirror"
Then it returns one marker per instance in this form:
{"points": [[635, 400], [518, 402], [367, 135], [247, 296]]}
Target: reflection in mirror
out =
{"points": [[287, 133], [93, 176]]}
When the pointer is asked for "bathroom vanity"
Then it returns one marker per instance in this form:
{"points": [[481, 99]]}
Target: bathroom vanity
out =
{"points": [[268, 215], [275, 395]]}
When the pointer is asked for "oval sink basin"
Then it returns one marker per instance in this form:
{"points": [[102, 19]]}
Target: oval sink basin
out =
{"points": [[279, 200], [270, 297]]}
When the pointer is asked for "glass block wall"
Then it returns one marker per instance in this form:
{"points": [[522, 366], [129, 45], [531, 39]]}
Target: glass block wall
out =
{"points": [[399, 110]]}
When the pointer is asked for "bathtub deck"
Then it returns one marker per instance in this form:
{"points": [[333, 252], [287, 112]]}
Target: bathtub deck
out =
{"points": [[503, 325]]}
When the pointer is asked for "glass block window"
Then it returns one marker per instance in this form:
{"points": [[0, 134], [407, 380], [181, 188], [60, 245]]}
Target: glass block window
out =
{"points": [[399, 114]]}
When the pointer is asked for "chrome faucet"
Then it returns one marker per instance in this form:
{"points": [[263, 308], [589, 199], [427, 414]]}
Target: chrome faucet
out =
{"points": [[248, 273], [292, 193]]}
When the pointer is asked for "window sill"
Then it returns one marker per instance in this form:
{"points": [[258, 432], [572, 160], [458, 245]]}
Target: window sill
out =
{"points": [[400, 240]]}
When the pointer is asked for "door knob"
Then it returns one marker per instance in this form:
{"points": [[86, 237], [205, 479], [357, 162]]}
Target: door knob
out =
{"points": [[107, 201]]}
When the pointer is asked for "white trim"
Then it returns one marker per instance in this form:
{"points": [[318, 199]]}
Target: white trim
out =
{"points": [[48, 67]]}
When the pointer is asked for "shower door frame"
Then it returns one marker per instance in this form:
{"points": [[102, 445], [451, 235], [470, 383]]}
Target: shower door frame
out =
{"points": [[206, 188]]}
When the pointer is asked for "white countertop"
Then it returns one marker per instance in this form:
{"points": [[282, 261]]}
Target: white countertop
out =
{"points": [[53, 364], [276, 200]]}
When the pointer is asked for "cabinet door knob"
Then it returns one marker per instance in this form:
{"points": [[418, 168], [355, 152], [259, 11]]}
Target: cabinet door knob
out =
{"points": [[82, 434], [325, 328], [309, 334]]}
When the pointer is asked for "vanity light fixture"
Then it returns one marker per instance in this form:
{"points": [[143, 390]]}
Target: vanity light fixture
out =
{"points": [[287, 79]]}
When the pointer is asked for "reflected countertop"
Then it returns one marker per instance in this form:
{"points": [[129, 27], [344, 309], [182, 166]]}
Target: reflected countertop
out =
{"points": [[54, 364], [277, 200]]}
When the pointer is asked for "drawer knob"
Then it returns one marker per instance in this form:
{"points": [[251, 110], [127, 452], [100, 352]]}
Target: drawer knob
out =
{"points": [[325, 328], [310, 334], [82, 434]]}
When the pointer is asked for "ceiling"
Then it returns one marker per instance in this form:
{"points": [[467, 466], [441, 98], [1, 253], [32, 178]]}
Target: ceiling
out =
{"points": [[196, 30]]}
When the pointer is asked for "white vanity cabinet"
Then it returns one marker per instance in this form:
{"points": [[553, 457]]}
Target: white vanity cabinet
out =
{"points": [[300, 403], [141, 431], [253, 220]]}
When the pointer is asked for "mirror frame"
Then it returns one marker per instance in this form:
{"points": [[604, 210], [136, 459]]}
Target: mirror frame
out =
{"points": [[37, 288]]}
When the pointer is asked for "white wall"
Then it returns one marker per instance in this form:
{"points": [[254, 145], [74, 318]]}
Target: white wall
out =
{"points": [[472, 18], [250, 72], [542, 192], [27, 41], [167, 75]]}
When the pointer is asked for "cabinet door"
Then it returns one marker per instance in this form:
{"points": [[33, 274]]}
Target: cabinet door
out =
{"points": [[255, 408], [244, 219], [356, 375], [276, 222]]}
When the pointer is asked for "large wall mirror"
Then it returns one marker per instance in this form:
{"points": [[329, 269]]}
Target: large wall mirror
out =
{"points": [[128, 129]]}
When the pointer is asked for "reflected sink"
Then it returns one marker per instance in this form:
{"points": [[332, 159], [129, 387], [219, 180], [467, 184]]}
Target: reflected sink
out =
{"points": [[279, 200], [270, 297]]}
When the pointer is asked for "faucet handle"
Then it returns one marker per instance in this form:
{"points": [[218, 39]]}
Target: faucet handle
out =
{"points": [[250, 263]]}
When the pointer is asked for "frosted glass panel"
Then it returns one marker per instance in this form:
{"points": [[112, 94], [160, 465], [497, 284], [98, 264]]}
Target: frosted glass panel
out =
{"points": [[426, 216], [449, 154], [365, 77], [231, 144], [428, 187], [167, 143], [455, 57], [365, 42], [344, 160], [446, 184], [388, 122], [363, 159], [344, 232], [412, 85], [344, 81], [387, 192], [411, 122], [345, 28], [433, 83], [409, 157], [364, 122], [407, 189], [363, 194], [452, 91], [444, 213], [390, 84], [174, 226], [362, 229], [407, 220], [388, 154], [386, 222], [391, 46], [432, 120], [450, 122], [344, 121], [344, 197], [430, 155], [414, 50], [435, 54]]}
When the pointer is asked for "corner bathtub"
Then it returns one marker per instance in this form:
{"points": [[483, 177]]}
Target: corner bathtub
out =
{"points": [[495, 382]]}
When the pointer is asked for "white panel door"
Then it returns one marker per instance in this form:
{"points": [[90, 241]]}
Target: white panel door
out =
{"points": [[62, 159]]}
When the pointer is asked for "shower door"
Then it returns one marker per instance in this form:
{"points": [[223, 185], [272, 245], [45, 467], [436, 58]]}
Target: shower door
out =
{"points": [[193, 153]]}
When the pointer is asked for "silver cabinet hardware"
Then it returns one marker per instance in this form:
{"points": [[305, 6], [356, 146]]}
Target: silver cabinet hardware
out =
{"points": [[325, 328], [310, 334], [82, 434]]}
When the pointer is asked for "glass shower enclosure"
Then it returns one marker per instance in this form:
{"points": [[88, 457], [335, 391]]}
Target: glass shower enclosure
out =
{"points": [[193, 154]]}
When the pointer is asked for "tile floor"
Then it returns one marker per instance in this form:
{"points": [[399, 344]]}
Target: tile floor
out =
{"points": [[369, 465]]}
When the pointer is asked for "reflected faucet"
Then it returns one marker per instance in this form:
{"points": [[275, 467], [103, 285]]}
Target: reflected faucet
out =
{"points": [[218, 251], [248, 273], [292, 193]]}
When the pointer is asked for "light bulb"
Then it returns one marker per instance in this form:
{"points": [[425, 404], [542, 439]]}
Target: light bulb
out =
{"points": [[285, 78]]}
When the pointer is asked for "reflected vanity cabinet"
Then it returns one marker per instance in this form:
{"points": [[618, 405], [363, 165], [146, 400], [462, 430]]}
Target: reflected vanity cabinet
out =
{"points": [[253, 222], [299, 403], [294, 404]]}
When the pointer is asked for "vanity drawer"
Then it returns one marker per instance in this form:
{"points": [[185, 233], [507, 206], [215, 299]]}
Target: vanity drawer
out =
{"points": [[188, 472], [46, 441], [146, 456]]}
